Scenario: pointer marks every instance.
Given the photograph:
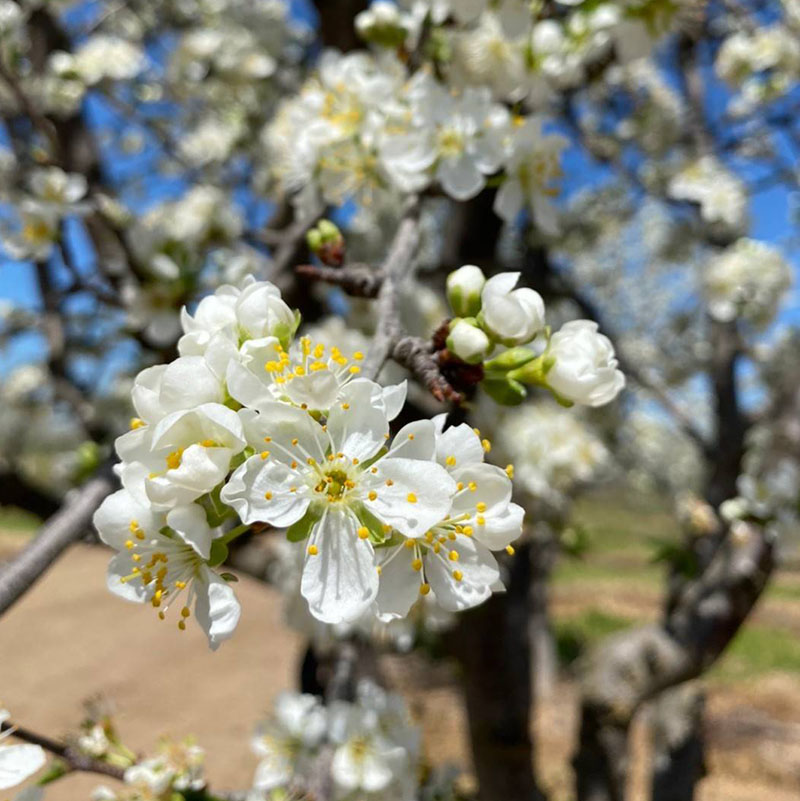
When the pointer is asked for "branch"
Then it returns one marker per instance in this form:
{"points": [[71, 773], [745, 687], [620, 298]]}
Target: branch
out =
{"points": [[64, 528], [357, 280], [636, 665], [74, 759]]}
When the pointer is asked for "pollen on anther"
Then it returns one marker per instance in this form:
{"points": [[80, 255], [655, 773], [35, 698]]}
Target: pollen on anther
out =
{"points": [[354, 369], [313, 550], [510, 470], [472, 486], [295, 441], [372, 495], [345, 406], [424, 589], [363, 532], [453, 556], [411, 498], [411, 436], [268, 496], [265, 454], [389, 482], [510, 550], [458, 575], [480, 506], [450, 461], [487, 446], [416, 564]]}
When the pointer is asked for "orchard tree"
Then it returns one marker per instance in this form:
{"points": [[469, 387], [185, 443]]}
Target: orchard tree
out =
{"points": [[365, 283]]}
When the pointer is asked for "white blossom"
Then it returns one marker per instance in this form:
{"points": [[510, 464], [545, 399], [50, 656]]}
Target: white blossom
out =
{"points": [[584, 369]]}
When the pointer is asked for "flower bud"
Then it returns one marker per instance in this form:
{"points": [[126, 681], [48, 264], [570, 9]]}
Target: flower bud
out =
{"points": [[511, 316], [326, 242], [468, 342], [383, 24], [464, 288]]}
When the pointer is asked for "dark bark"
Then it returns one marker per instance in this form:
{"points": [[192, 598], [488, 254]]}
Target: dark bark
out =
{"points": [[16, 491], [336, 27], [492, 644], [679, 761]]}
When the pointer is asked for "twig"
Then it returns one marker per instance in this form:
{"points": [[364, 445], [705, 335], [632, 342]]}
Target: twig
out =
{"points": [[74, 759], [65, 527], [358, 280]]}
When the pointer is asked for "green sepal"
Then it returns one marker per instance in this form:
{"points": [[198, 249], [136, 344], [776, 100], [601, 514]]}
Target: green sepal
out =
{"points": [[511, 359], [381, 453], [229, 577], [505, 391], [298, 531], [535, 371], [377, 536], [219, 553], [55, 770]]}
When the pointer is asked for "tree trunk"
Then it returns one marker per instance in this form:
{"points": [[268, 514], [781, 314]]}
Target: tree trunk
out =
{"points": [[492, 644], [678, 744], [543, 647]]}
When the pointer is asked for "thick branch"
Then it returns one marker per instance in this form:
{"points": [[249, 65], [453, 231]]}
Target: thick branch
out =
{"points": [[65, 527], [73, 758], [637, 665]]}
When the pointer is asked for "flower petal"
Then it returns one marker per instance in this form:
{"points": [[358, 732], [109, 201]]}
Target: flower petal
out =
{"points": [[18, 762], [216, 608], [340, 581], [409, 494]]}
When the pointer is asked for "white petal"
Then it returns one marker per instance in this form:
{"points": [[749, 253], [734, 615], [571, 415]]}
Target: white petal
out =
{"points": [[217, 609], [460, 178], [479, 572], [119, 567], [416, 440], [114, 517], [394, 398], [419, 495], [399, 584], [18, 762], [247, 489], [294, 434], [190, 524], [340, 582], [359, 430], [462, 443]]}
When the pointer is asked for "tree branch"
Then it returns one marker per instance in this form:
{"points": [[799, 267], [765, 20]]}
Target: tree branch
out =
{"points": [[74, 759], [64, 528]]}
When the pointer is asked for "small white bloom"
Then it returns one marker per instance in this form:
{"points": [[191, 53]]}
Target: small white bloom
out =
{"points": [[285, 743], [585, 368], [162, 555]]}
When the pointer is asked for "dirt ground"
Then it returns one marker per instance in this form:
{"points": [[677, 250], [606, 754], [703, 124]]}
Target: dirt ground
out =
{"points": [[69, 640]]}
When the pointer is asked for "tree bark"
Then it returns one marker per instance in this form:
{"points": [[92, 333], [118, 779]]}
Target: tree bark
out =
{"points": [[636, 665], [679, 754], [493, 647], [543, 647]]}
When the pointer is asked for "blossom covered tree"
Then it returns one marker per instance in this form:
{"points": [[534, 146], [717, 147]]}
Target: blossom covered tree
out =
{"points": [[368, 281]]}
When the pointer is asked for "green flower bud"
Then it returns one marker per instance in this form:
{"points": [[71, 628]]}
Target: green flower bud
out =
{"points": [[464, 288]]}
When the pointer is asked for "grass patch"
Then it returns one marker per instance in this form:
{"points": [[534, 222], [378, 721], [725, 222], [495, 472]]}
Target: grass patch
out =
{"points": [[17, 521], [757, 650], [578, 634]]}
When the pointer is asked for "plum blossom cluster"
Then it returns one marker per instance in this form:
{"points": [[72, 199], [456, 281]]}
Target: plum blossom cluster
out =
{"points": [[763, 64], [362, 128], [251, 421], [30, 227], [720, 194], [553, 451], [576, 363], [749, 279], [374, 746]]}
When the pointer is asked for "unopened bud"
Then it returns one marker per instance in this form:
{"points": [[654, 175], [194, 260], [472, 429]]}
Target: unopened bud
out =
{"points": [[464, 287], [468, 342]]}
